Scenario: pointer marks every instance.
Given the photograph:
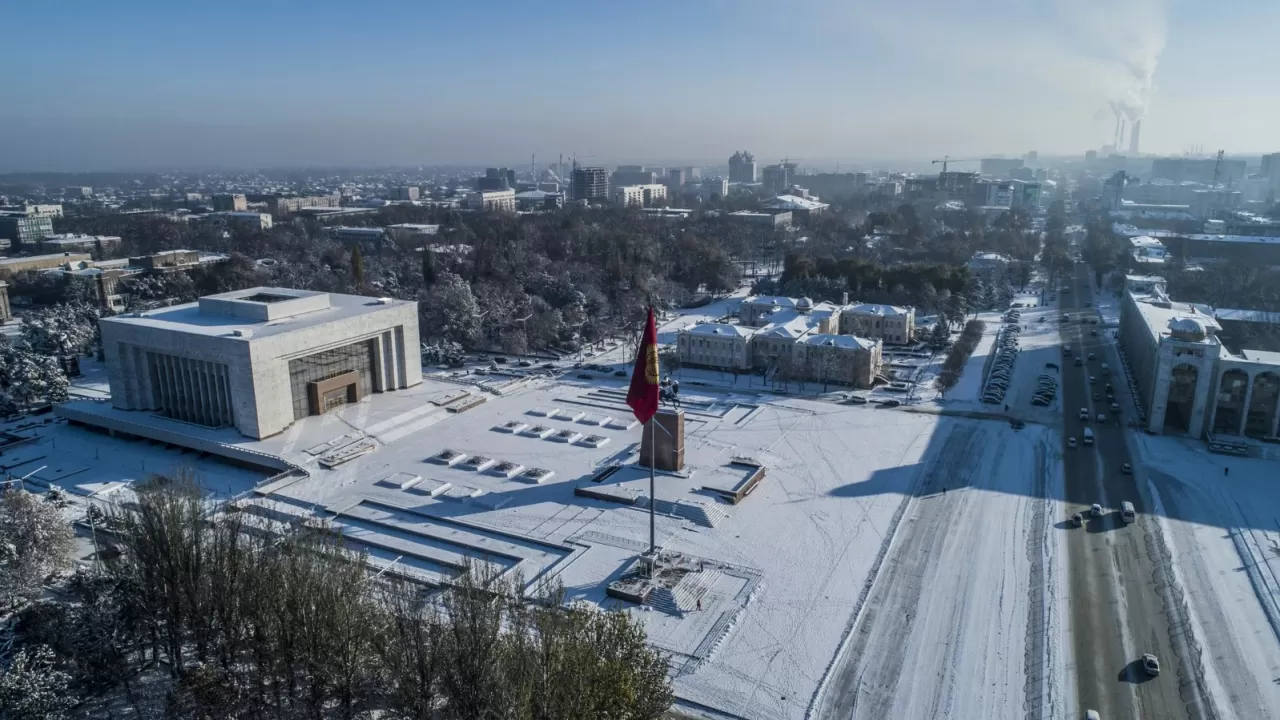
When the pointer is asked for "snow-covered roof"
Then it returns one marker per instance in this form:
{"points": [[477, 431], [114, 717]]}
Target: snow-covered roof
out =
{"points": [[719, 329], [770, 300], [796, 327], [849, 342], [990, 257], [877, 309], [795, 202], [1256, 316], [1145, 241]]}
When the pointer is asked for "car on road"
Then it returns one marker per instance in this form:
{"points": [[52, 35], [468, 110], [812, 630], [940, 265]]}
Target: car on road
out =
{"points": [[548, 366], [1041, 319], [1093, 379], [1066, 349], [1150, 665], [1102, 418], [500, 360], [1127, 469], [1115, 408], [1071, 442], [889, 403], [619, 373], [1092, 715], [525, 363], [1095, 510], [1096, 397], [1093, 356], [586, 376], [1084, 414], [1066, 317], [857, 400], [1077, 520], [1079, 361], [1088, 303]]}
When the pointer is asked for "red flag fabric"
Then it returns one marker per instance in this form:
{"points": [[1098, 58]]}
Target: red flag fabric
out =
{"points": [[643, 395]]}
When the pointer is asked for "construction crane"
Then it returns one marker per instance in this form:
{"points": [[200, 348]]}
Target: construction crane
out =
{"points": [[1217, 169], [948, 159]]}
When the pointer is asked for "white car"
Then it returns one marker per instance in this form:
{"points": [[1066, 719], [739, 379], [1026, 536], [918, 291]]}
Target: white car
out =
{"points": [[1071, 442], [1095, 510]]}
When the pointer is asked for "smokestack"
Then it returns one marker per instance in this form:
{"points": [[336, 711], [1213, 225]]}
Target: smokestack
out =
{"points": [[1120, 138], [1133, 137], [1115, 140]]}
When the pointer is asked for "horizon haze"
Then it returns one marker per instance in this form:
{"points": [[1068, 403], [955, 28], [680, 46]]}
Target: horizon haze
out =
{"points": [[151, 85]]}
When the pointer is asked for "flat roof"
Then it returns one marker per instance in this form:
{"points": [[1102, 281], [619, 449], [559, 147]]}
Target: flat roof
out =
{"points": [[1157, 317], [190, 319]]}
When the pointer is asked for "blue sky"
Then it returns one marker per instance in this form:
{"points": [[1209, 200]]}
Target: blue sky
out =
{"points": [[142, 84]]}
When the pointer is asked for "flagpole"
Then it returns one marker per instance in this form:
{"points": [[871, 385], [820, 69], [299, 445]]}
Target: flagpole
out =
{"points": [[653, 498]]}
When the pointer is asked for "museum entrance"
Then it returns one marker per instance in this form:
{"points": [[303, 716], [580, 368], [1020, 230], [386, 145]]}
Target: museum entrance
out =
{"points": [[331, 378]]}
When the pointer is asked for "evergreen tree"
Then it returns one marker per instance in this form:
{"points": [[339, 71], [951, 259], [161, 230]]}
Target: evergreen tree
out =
{"points": [[357, 267]]}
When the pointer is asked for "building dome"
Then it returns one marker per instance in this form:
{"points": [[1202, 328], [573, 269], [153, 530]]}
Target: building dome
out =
{"points": [[1190, 329], [804, 303]]}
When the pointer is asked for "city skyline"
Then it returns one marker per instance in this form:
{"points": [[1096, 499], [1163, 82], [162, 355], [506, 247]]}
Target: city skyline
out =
{"points": [[156, 86]]}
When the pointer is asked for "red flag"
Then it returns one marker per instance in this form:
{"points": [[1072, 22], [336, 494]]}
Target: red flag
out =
{"points": [[643, 395]]}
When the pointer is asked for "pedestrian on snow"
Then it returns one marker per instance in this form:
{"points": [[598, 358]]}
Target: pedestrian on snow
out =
{"points": [[1226, 471], [944, 489], [699, 603]]}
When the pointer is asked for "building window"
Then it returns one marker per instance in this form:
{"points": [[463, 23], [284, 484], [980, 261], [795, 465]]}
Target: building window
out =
{"points": [[356, 357]]}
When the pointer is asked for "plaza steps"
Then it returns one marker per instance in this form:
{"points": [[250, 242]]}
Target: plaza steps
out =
{"points": [[685, 595]]}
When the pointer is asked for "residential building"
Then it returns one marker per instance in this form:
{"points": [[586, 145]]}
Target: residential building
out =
{"points": [[262, 358], [639, 195], [493, 200], [742, 167], [717, 346], [230, 202], [895, 325], [77, 193], [12, 266], [780, 219], [999, 168], [715, 188], [6, 312], [539, 200], [1270, 166], [49, 211], [24, 229], [405, 193], [633, 175], [496, 179], [590, 184], [954, 185], [835, 185], [73, 242], [775, 179], [675, 181], [284, 205]]}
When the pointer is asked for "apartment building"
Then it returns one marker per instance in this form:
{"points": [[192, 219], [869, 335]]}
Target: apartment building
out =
{"points": [[492, 200]]}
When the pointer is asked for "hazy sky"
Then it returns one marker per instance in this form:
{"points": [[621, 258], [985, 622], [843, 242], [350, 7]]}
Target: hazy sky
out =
{"points": [[141, 84]]}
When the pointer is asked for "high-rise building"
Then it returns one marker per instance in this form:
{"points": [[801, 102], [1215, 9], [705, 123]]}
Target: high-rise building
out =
{"points": [[405, 192], [23, 229], [497, 179], [1271, 166], [742, 167], [714, 187], [777, 178], [590, 183], [633, 175], [675, 180]]}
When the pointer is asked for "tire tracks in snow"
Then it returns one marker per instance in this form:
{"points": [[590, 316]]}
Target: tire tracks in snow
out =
{"points": [[895, 584]]}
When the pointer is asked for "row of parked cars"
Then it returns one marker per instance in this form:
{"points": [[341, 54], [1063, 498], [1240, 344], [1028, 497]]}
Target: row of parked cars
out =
{"points": [[1046, 389], [1006, 352]]}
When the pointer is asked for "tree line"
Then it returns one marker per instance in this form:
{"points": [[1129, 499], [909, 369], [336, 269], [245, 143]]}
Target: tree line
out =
{"points": [[233, 617]]}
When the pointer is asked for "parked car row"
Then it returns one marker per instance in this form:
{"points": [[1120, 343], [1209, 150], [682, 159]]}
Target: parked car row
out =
{"points": [[1046, 390], [1006, 353]]}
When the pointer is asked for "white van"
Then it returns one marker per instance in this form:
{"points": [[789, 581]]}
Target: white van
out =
{"points": [[1105, 369], [1088, 436], [1126, 512]]}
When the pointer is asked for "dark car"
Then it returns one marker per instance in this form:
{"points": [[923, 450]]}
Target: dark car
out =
{"points": [[500, 359], [525, 363], [857, 400], [889, 403], [586, 376]]}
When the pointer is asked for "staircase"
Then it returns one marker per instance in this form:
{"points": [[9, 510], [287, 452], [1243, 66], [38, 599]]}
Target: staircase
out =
{"points": [[700, 513], [685, 595]]}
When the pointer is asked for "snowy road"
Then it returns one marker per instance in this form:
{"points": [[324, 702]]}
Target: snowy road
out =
{"points": [[1124, 599], [944, 633]]}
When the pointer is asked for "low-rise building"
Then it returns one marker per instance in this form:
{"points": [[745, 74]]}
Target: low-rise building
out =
{"points": [[6, 312], [74, 242], [354, 235], [718, 346], [12, 266], [492, 200], [986, 263], [283, 205], [836, 359], [778, 219], [801, 208], [230, 202], [226, 219], [49, 210], [895, 325], [260, 359]]}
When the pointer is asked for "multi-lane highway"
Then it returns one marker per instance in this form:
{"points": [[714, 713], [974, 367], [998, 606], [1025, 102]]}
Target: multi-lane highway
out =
{"points": [[1120, 604]]}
